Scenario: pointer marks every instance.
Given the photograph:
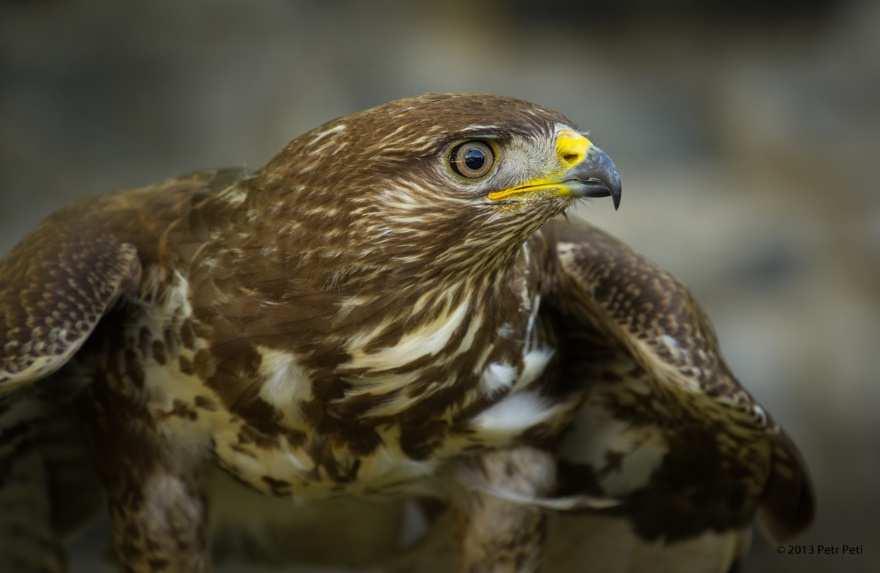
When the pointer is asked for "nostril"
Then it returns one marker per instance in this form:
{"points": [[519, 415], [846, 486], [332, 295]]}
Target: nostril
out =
{"points": [[571, 148]]}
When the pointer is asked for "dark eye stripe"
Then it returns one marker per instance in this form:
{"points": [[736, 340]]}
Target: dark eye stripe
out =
{"points": [[472, 159]]}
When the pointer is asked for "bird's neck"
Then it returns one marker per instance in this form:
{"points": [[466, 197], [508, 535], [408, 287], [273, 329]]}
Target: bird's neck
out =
{"points": [[298, 248]]}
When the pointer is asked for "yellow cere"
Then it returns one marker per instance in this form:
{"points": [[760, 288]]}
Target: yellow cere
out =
{"points": [[571, 149]]}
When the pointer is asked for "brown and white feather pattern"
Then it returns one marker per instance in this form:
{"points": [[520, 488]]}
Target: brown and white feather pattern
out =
{"points": [[355, 319], [665, 425]]}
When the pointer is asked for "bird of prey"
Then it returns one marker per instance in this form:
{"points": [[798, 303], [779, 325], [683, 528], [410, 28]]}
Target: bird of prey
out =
{"points": [[393, 306]]}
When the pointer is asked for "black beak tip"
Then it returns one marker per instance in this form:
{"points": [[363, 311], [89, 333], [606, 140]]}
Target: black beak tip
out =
{"points": [[599, 177], [594, 187]]}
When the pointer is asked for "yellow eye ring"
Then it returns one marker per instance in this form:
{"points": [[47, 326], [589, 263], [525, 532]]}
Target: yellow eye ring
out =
{"points": [[472, 159]]}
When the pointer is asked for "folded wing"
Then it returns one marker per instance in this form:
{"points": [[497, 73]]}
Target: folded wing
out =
{"points": [[664, 427]]}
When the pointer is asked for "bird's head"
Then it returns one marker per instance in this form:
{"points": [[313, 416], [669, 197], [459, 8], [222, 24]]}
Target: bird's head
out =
{"points": [[439, 181]]}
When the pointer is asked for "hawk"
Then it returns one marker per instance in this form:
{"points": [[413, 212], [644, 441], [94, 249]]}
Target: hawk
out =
{"points": [[392, 306]]}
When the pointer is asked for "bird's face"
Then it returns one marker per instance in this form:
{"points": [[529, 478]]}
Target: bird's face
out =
{"points": [[511, 172], [451, 180]]}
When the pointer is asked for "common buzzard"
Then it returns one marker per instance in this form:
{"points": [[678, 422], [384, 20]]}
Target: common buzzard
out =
{"points": [[392, 306]]}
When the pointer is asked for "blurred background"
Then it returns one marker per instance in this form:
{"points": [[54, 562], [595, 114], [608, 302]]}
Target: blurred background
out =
{"points": [[747, 133]]}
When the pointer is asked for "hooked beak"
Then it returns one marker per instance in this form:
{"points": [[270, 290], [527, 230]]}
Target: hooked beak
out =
{"points": [[595, 176], [587, 171]]}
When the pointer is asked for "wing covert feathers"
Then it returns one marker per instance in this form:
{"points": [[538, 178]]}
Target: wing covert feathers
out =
{"points": [[54, 287], [665, 424], [57, 282]]}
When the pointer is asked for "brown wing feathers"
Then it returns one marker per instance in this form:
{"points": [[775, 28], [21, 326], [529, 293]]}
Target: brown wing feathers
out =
{"points": [[788, 505], [656, 324], [54, 287], [57, 282]]}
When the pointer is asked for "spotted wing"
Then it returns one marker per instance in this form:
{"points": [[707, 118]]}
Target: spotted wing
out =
{"points": [[665, 427], [57, 282], [54, 287]]}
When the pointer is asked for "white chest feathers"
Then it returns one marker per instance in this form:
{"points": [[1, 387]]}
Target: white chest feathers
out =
{"points": [[523, 406], [428, 339]]}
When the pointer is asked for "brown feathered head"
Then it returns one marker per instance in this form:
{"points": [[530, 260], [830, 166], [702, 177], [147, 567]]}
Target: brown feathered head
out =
{"points": [[440, 183]]}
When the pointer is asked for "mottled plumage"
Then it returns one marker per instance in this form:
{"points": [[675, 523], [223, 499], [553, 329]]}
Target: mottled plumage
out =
{"points": [[360, 317]]}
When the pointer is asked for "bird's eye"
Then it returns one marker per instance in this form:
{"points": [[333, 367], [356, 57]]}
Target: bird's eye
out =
{"points": [[472, 159]]}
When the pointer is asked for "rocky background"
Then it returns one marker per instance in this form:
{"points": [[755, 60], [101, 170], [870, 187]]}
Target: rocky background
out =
{"points": [[748, 136]]}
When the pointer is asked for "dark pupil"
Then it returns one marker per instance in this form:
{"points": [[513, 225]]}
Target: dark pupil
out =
{"points": [[474, 159]]}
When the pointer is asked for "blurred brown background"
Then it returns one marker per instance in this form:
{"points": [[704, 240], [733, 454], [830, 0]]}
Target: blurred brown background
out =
{"points": [[748, 136]]}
